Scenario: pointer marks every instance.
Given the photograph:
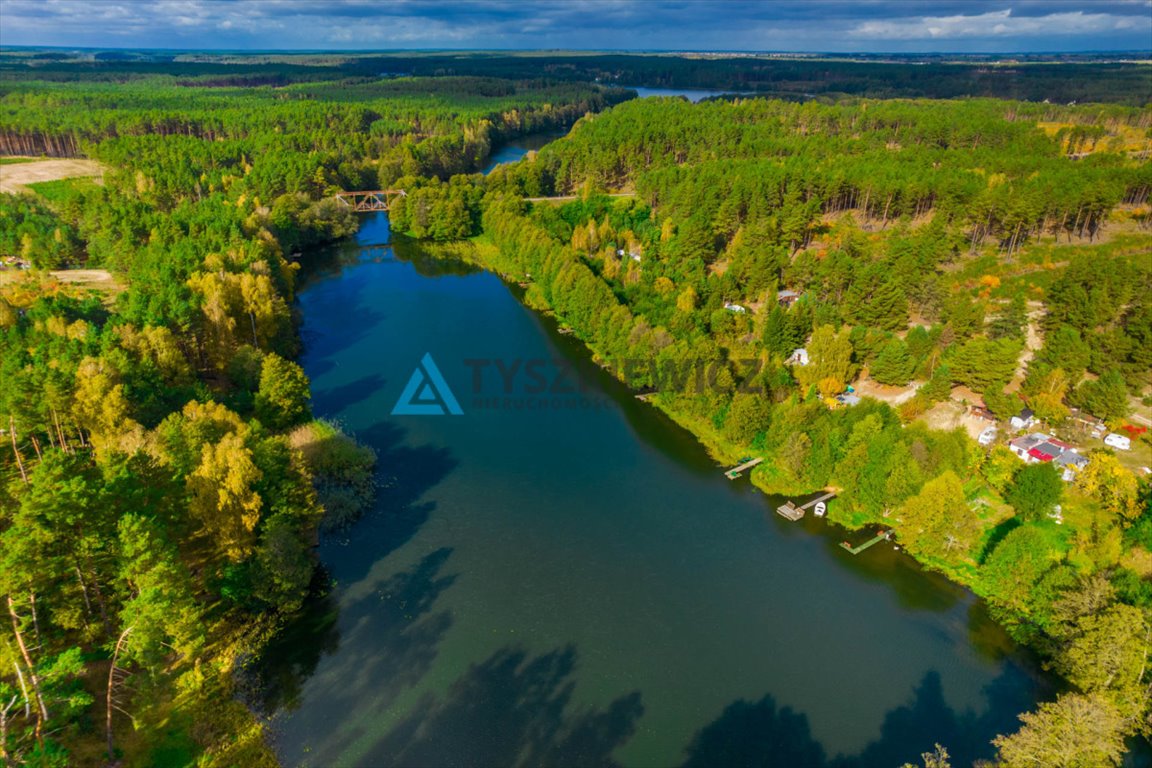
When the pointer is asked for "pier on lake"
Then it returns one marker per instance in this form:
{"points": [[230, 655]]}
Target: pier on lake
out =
{"points": [[794, 512]]}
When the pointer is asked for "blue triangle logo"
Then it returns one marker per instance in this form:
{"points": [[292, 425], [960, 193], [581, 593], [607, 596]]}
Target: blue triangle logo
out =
{"points": [[427, 394]]}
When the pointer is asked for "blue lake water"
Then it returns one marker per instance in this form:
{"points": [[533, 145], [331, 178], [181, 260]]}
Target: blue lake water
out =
{"points": [[692, 94], [519, 147], [576, 583]]}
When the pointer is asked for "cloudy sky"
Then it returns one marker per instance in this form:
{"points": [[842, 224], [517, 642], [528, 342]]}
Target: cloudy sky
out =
{"points": [[764, 25]]}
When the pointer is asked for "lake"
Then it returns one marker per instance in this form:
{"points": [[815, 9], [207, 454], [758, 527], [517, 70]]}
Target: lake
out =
{"points": [[567, 578], [692, 94], [520, 146]]}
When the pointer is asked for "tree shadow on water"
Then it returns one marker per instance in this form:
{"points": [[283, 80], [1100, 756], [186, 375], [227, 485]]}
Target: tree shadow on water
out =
{"points": [[756, 734], [510, 710], [333, 400], [388, 640], [327, 346], [761, 735], [404, 474], [276, 679]]}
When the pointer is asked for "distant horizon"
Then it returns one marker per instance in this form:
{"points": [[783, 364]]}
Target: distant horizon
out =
{"points": [[765, 27], [561, 51]]}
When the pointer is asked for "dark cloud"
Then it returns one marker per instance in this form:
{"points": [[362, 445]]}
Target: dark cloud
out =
{"points": [[812, 25]]}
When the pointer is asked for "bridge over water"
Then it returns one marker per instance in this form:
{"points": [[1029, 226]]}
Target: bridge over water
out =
{"points": [[369, 200]]}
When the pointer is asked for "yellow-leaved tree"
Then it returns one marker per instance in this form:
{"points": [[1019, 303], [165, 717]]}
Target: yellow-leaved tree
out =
{"points": [[1109, 482], [101, 408], [224, 498]]}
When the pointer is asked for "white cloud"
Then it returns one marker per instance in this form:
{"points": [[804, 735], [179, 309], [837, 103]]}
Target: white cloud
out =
{"points": [[848, 25], [998, 24]]}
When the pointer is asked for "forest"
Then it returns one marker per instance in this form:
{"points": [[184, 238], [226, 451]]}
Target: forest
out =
{"points": [[909, 247], [164, 480], [1092, 78]]}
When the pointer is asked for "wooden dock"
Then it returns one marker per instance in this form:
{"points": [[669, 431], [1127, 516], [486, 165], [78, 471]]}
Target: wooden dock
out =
{"points": [[819, 500], [790, 511], [736, 472], [794, 512], [879, 537]]}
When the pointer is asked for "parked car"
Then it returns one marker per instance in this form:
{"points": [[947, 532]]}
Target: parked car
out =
{"points": [[1119, 442], [987, 436]]}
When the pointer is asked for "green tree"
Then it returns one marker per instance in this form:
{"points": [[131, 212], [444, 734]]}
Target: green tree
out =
{"points": [[748, 417], [1106, 398], [1000, 467], [285, 567], [1014, 567], [830, 359], [780, 334], [795, 453], [159, 606], [1064, 348], [1110, 654], [1002, 404], [1047, 396], [938, 522], [1035, 490], [1011, 319], [894, 365], [939, 386], [981, 364], [282, 400]]}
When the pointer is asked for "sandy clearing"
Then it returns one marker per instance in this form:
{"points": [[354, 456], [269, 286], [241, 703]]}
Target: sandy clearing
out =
{"points": [[949, 414], [1034, 340], [13, 178], [96, 279], [888, 394], [88, 278]]}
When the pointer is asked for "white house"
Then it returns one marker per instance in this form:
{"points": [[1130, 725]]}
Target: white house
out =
{"points": [[1023, 420], [799, 357], [1038, 448], [734, 307]]}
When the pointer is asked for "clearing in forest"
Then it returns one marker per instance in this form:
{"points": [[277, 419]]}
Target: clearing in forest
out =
{"points": [[15, 177]]}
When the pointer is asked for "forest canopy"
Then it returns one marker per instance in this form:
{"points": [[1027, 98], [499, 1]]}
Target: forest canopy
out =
{"points": [[164, 477]]}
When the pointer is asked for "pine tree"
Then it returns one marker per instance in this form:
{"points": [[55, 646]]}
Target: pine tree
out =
{"points": [[893, 365]]}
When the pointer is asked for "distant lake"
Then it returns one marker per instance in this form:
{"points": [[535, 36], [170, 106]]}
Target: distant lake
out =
{"points": [[691, 94], [517, 148], [575, 582]]}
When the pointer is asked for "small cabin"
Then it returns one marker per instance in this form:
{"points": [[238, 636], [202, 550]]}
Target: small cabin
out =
{"points": [[799, 357], [1023, 420], [786, 298]]}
